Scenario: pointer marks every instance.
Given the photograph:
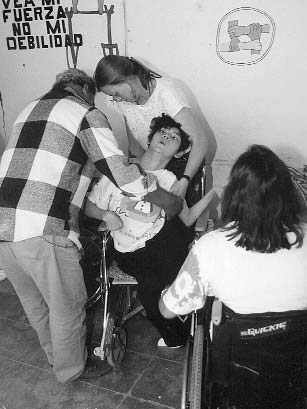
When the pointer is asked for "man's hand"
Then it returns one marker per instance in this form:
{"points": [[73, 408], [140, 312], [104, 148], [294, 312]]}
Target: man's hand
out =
{"points": [[171, 204]]}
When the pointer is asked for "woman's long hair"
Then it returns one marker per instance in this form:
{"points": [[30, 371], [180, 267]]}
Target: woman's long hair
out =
{"points": [[114, 69], [260, 203]]}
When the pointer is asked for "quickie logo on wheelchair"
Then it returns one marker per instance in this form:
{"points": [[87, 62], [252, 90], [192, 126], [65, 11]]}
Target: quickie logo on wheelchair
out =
{"points": [[271, 329]]}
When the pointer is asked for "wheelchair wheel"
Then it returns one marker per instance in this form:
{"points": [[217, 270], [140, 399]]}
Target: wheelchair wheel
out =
{"points": [[191, 397], [118, 346], [185, 404], [195, 384]]}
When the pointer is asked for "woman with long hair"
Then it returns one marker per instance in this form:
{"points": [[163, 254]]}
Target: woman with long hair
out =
{"points": [[256, 261]]}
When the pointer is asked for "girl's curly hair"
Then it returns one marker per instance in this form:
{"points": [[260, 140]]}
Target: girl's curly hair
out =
{"points": [[165, 121]]}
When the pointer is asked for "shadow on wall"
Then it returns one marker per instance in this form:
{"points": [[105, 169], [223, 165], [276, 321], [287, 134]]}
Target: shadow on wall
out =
{"points": [[2, 143], [291, 156], [212, 144]]}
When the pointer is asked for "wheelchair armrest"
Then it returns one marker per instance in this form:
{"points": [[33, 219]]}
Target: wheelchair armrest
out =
{"points": [[216, 312]]}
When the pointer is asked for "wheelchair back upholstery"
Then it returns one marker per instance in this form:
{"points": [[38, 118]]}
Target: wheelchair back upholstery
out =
{"points": [[258, 359]]}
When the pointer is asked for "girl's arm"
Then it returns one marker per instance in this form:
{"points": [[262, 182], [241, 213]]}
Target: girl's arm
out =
{"points": [[198, 149], [190, 215]]}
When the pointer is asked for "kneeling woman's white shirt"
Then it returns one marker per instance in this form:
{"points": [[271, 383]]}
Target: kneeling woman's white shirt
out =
{"points": [[245, 281]]}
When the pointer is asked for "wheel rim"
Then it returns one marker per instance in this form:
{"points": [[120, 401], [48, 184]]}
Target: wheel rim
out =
{"points": [[117, 347]]}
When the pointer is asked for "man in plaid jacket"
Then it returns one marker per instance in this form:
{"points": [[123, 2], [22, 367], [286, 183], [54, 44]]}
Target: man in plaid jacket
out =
{"points": [[45, 172]]}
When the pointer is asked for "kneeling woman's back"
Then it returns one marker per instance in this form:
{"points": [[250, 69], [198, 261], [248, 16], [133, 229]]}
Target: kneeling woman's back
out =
{"points": [[257, 260]]}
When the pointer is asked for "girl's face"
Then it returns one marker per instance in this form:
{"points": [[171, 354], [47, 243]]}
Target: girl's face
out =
{"points": [[166, 141], [120, 92]]}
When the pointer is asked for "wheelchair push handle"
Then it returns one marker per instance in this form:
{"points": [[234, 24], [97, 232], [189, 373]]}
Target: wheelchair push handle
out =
{"points": [[216, 313]]}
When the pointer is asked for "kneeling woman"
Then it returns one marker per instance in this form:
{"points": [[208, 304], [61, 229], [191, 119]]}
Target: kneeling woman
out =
{"points": [[248, 263], [148, 246]]}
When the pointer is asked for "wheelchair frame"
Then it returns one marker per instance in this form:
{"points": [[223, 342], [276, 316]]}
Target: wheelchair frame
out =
{"points": [[115, 314], [118, 307]]}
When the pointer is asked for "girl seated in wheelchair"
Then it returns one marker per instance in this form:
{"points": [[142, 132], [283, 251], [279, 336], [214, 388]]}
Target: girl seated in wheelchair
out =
{"points": [[255, 264], [147, 245]]}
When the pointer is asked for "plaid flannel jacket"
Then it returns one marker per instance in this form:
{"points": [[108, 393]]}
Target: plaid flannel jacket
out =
{"points": [[46, 168]]}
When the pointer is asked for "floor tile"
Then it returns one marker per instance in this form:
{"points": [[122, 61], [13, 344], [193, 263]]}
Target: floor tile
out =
{"points": [[6, 287], [30, 388], [7, 369], [15, 342], [122, 378], [132, 403], [161, 382], [141, 381], [10, 306], [81, 395], [142, 336]]}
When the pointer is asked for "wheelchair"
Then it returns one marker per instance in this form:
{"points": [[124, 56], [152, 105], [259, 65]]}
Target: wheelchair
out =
{"points": [[114, 289], [253, 361], [245, 361], [108, 284]]}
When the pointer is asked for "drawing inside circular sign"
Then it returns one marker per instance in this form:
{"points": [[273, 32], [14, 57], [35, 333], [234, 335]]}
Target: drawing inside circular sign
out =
{"points": [[244, 36]]}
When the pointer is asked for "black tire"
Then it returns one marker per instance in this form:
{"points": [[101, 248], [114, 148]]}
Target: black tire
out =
{"points": [[118, 346], [185, 404], [195, 383]]}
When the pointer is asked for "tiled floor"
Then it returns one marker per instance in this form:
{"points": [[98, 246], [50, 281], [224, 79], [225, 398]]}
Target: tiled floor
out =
{"points": [[147, 378]]}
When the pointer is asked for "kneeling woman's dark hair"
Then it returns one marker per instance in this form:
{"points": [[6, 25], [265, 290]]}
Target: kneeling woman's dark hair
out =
{"points": [[166, 122], [261, 203]]}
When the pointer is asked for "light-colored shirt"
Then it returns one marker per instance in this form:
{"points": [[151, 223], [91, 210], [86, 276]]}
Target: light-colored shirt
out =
{"points": [[245, 281], [141, 220]]}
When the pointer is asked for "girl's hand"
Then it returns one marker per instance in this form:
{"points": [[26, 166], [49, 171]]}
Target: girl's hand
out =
{"points": [[112, 221], [180, 187]]}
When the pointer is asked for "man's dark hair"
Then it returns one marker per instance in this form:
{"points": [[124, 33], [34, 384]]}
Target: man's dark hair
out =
{"points": [[74, 76], [165, 121], [261, 204]]}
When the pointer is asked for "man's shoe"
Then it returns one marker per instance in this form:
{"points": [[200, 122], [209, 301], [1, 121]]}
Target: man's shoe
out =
{"points": [[94, 369]]}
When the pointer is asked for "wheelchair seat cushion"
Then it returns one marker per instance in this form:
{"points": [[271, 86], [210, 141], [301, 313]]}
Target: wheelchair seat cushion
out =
{"points": [[119, 277]]}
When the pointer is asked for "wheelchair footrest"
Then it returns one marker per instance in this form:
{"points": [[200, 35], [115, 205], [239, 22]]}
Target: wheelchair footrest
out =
{"points": [[119, 277]]}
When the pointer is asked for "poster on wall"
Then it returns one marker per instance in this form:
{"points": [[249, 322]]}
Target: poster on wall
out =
{"points": [[245, 36], [52, 24], [41, 38]]}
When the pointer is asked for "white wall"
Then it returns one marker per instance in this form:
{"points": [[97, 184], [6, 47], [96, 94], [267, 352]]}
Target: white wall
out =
{"points": [[263, 102]]}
